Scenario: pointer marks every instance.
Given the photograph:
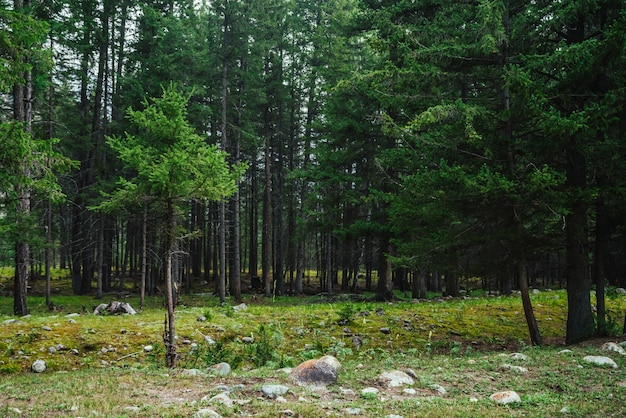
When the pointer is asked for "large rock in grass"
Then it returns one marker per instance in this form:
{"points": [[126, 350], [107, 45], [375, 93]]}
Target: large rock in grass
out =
{"points": [[613, 347], [600, 361], [396, 378], [38, 366], [318, 373], [506, 397], [114, 308]]}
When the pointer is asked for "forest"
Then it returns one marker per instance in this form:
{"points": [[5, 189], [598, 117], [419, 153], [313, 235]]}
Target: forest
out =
{"points": [[334, 146]]}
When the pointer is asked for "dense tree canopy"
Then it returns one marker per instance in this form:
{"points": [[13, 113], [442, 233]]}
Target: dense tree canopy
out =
{"points": [[419, 146]]}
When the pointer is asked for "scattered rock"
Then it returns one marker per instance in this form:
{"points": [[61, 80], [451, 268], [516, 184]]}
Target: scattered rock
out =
{"points": [[411, 373], [536, 291], [396, 378], [132, 408], [600, 361], [369, 392], [223, 399], [201, 318], [72, 315], [209, 340], [353, 411], [439, 389], [38, 366], [220, 369], [12, 321], [620, 291], [393, 416], [288, 413], [505, 397], [347, 392], [206, 412], [148, 348], [518, 356], [192, 373], [566, 351], [247, 340], [240, 307], [114, 308], [46, 328], [613, 347], [272, 391], [511, 367], [318, 373], [385, 330]]}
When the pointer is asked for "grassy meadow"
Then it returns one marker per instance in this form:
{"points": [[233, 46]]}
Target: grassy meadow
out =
{"points": [[98, 365]]}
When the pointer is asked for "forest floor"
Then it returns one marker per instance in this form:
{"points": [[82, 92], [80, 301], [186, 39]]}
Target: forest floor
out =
{"points": [[113, 366]]}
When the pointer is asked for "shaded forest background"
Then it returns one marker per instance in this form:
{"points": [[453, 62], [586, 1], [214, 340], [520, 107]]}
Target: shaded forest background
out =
{"points": [[407, 145]]}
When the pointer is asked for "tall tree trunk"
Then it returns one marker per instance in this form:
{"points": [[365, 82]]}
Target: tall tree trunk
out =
{"points": [[533, 328], [267, 258], [22, 94], [253, 260], [580, 322], [224, 140], [144, 255], [601, 251], [169, 334]]}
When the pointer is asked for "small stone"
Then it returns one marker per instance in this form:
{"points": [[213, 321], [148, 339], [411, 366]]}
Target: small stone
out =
{"points": [[566, 351], [409, 391], [600, 361], [518, 356], [148, 348], [201, 318], [52, 350], [272, 391], [46, 328], [240, 307], [411, 373], [385, 330], [564, 410], [38, 366], [132, 408], [16, 411], [353, 411], [209, 340], [396, 378], [247, 340], [206, 413], [280, 399], [620, 291], [74, 351], [191, 372], [613, 347], [288, 413], [505, 397], [220, 369], [72, 315], [347, 392], [222, 399], [513, 368], [393, 416], [473, 400], [536, 291], [439, 389], [369, 392], [71, 321]]}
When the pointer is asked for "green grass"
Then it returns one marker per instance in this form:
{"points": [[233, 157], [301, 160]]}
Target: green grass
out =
{"points": [[454, 343]]}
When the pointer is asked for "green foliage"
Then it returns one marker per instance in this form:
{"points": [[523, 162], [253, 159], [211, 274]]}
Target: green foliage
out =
{"points": [[172, 162]]}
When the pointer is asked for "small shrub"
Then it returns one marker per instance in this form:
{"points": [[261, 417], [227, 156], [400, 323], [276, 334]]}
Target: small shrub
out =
{"points": [[264, 349], [346, 312]]}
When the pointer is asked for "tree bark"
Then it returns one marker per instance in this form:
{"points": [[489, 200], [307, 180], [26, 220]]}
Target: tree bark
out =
{"points": [[580, 322], [169, 334], [533, 328]]}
